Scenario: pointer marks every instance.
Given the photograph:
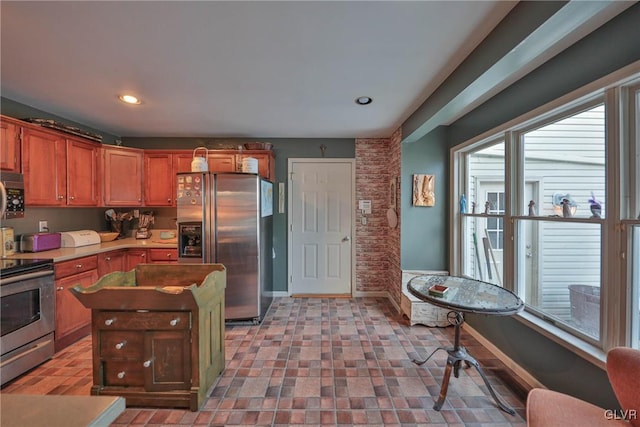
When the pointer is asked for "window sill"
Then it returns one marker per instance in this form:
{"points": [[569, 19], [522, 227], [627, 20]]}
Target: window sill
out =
{"points": [[587, 351]]}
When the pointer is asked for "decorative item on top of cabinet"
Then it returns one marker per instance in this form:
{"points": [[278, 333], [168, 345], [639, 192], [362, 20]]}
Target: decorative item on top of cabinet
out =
{"points": [[73, 320], [158, 333], [59, 171], [123, 176], [10, 145]]}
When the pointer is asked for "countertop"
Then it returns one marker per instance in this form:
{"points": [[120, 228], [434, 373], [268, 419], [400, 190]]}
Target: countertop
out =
{"points": [[63, 411], [64, 254]]}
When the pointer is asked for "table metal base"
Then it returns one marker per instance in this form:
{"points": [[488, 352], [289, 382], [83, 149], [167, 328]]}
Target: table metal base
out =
{"points": [[456, 355]]}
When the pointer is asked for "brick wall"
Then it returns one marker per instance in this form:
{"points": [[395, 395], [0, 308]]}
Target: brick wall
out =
{"points": [[378, 245]]}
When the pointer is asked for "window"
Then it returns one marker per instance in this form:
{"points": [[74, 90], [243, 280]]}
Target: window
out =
{"points": [[484, 223], [552, 226]]}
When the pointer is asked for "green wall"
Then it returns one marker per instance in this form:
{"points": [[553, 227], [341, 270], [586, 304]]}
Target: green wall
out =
{"points": [[422, 226], [607, 49]]}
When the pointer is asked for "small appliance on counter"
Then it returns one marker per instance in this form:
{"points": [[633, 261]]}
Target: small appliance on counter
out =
{"points": [[75, 239], [38, 242], [7, 241]]}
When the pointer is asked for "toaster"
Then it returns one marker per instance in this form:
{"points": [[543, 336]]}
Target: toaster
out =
{"points": [[38, 242]]}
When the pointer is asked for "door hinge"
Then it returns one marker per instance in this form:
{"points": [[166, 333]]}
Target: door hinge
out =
{"points": [[290, 279]]}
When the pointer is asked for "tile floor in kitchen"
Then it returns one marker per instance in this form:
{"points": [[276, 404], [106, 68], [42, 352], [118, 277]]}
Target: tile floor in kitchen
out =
{"points": [[319, 361]]}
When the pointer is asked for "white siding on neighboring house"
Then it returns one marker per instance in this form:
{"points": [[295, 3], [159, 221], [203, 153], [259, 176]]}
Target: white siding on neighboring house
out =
{"points": [[565, 157]]}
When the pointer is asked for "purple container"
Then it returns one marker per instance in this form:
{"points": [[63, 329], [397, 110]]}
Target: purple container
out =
{"points": [[38, 242]]}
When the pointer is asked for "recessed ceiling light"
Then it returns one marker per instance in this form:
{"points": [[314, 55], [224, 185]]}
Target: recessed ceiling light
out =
{"points": [[363, 100], [129, 99]]}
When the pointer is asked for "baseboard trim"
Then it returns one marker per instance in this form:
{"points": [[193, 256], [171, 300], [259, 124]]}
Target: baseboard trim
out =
{"points": [[510, 363]]}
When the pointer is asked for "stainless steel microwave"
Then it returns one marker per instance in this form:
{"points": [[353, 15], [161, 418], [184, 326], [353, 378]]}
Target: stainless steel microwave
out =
{"points": [[11, 195]]}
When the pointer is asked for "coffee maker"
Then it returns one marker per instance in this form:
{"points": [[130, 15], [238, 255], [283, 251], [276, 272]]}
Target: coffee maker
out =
{"points": [[144, 224]]}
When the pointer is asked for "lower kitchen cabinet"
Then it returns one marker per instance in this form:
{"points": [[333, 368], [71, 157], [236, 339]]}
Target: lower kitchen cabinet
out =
{"points": [[135, 257], [73, 320], [162, 256], [109, 262]]}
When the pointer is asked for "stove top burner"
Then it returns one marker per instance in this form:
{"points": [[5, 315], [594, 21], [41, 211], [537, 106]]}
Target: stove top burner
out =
{"points": [[13, 266]]}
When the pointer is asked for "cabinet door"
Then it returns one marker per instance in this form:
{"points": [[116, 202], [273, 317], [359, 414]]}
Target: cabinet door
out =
{"points": [[112, 261], [167, 360], [222, 162], [71, 315], [159, 179], [182, 163], [44, 167], [135, 257], [122, 176], [82, 173], [163, 256], [9, 146]]}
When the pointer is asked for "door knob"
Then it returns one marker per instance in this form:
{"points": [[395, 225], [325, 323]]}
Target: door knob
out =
{"points": [[346, 238]]}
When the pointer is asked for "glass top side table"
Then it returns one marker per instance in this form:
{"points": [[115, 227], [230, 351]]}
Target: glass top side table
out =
{"points": [[462, 295]]}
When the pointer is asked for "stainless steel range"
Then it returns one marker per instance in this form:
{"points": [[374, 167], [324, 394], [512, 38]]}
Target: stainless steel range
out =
{"points": [[27, 315]]}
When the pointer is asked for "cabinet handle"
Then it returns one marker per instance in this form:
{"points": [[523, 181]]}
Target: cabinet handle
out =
{"points": [[121, 374], [109, 322], [72, 198], [60, 288], [169, 200], [108, 258], [60, 197], [143, 255], [78, 265], [120, 345], [146, 363], [168, 255], [174, 322]]}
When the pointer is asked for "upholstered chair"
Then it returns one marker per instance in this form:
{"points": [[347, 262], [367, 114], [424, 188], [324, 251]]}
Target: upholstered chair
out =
{"points": [[547, 408]]}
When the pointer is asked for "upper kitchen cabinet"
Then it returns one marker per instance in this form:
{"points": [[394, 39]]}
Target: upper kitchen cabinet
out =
{"points": [[222, 161], [44, 165], [231, 161], [160, 169], [82, 173], [122, 176], [9, 145], [59, 171]]}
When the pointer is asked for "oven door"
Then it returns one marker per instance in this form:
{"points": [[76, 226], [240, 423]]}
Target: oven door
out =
{"points": [[27, 309]]}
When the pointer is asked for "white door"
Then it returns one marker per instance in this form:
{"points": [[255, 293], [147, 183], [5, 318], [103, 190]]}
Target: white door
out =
{"points": [[320, 226]]}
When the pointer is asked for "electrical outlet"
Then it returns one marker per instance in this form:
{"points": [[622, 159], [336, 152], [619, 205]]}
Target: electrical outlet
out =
{"points": [[43, 226]]}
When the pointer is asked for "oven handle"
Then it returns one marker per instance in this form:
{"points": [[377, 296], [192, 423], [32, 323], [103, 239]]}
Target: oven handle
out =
{"points": [[26, 276]]}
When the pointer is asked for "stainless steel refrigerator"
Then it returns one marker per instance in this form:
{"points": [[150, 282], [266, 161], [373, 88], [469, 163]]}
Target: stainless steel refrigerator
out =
{"points": [[227, 218]]}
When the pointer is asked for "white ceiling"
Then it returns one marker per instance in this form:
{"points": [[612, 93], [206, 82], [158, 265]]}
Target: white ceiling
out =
{"points": [[237, 69]]}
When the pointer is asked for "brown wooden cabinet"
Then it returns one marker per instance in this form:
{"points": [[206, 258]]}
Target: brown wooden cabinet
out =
{"points": [[160, 169], [109, 262], [59, 171], [135, 257], [222, 161], [82, 173], [10, 145], [123, 177], [44, 167], [73, 320], [163, 256]]}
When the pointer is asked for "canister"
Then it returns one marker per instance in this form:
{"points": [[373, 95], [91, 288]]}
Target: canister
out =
{"points": [[8, 243], [250, 165]]}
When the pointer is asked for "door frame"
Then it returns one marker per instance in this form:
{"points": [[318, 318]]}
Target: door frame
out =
{"points": [[352, 163]]}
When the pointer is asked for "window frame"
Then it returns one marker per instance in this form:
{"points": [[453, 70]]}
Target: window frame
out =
{"points": [[617, 306]]}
